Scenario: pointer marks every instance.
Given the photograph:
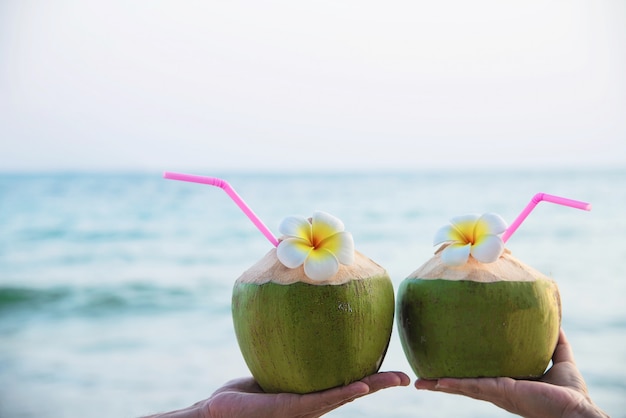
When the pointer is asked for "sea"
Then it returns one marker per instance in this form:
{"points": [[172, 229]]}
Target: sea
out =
{"points": [[115, 288]]}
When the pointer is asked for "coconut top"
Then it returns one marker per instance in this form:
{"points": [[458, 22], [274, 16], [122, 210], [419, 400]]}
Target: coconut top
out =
{"points": [[505, 268], [270, 269]]}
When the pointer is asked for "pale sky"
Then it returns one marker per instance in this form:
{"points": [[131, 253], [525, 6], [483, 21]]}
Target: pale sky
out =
{"points": [[293, 85]]}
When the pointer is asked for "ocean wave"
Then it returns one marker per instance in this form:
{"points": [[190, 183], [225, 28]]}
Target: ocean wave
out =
{"points": [[90, 236], [100, 301]]}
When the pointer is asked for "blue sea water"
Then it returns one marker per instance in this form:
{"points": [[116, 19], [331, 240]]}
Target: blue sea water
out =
{"points": [[115, 288]]}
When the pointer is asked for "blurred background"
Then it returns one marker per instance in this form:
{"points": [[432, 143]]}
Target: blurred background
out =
{"points": [[115, 284], [281, 85]]}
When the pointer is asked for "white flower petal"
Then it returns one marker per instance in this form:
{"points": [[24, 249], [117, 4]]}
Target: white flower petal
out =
{"points": [[488, 248], [455, 254], [465, 226], [464, 219], [341, 245], [324, 226], [295, 226], [292, 252], [328, 219], [321, 265], [494, 222], [447, 233]]}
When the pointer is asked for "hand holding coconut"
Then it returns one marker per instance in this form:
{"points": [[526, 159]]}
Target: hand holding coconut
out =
{"points": [[475, 321], [244, 398], [561, 392]]}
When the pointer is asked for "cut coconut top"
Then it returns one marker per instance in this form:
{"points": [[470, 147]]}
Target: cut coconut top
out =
{"points": [[506, 268], [270, 269]]}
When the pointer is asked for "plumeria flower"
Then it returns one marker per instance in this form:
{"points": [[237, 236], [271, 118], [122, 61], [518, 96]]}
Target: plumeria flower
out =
{"points": [[321, 245], [478, 236]]}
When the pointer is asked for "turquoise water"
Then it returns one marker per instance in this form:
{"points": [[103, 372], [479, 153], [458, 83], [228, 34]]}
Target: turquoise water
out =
{"points": [[115, 288]]}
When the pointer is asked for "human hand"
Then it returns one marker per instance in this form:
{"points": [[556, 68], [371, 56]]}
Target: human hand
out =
{"points": [[561, 392], [244, 398]]}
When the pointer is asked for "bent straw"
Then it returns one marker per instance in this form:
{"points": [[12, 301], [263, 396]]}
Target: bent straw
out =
{"points": [[223, 184], [534, 201]]}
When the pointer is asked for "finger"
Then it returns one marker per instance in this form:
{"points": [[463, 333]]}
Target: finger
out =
{"points": [[563, 352], [496, 390], [332, 398], [384, 380], [488, 389], [526, 398], [425, 384]]}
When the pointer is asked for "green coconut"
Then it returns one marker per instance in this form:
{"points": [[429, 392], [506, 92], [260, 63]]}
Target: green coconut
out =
{"points": [[478, 320], [297, 335]]}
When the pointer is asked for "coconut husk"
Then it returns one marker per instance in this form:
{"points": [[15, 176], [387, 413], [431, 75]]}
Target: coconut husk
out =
{"points": [[270, 269], [506, 268]]}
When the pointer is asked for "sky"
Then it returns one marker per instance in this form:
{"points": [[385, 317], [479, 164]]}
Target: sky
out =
{"points": [[309, 86]]}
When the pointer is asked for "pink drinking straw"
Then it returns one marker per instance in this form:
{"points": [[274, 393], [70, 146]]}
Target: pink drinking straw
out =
{"points": [[223, 184], [534, 201]]}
